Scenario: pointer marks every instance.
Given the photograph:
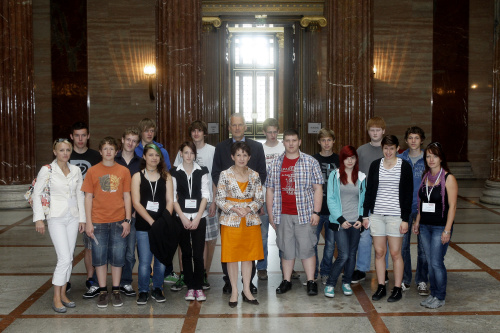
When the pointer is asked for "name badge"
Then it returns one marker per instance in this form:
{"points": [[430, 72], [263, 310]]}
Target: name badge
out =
{"points": [[190, 203], [153, 206], [428, 207], [72, 202]]}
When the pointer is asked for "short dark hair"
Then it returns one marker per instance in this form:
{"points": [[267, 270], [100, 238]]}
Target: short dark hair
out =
{"points": [[390, 140], [291, 132], [241, 145], [199, 125], [270, 122], [110, 141], [415, 130], [78, 126], [189, 144]]}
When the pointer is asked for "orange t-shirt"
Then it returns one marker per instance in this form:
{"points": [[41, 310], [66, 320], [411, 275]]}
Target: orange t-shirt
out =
{"points": [[108, 185]]}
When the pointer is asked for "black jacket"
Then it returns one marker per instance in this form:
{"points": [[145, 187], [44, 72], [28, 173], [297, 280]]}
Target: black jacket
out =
{"points": [[164, 237], [405, 189]]}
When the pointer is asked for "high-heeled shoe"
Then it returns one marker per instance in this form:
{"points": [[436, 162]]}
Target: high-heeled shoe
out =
{"points": [[69, 304], [233, 304], [251, 301], [59, 310]]}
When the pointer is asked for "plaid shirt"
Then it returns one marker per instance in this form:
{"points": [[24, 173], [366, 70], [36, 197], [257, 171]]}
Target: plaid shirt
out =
{"points": [[307, 172]]}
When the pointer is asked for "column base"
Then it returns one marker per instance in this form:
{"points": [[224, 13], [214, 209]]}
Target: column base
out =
{"points": [[491, 193], [12, 196]]}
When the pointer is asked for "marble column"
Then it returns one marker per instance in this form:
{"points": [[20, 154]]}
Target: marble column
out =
{"points": [[17, 114], [349, 70], [178, 46], [491, 193]]}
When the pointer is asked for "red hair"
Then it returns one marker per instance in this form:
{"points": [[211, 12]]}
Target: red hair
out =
{"points": [[345, 152]]}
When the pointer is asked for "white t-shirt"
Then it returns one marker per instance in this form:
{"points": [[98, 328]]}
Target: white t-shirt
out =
{"points": [[204, 158], [271, 153]]}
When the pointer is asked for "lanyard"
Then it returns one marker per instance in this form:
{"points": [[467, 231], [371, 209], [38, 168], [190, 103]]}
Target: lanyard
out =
{"points": [[427, 187], [156, 184]]}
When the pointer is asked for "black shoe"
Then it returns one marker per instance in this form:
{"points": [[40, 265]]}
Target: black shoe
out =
{"points": [[312, 288], [127, 290], [253, 288], [68, 287], [284, 287], [396, 294], [227, 289], [143, 298], [380, 293], [92, 289], [358, 276], [233, 304], [251, 301], [386, 277], [157, 295]]}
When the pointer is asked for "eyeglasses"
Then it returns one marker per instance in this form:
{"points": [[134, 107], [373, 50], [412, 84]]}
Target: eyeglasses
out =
{"points": [[61, 140]]}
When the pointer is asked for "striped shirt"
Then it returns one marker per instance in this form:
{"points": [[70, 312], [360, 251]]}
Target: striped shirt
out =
{"points": [[387, 200]]}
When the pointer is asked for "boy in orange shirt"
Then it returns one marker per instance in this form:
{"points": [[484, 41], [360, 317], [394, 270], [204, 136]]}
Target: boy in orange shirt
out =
{"points": [[108, 207]]}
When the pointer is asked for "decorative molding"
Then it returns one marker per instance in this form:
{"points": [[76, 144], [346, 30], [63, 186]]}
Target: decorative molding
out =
{"points": [[307, 21], [262, 8], [281, 39], [211, 20]]}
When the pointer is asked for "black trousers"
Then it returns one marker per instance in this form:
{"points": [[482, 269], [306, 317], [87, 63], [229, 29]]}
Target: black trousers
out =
{"points": [[192, 243]]}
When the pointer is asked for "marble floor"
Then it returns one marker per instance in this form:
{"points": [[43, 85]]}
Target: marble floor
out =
{"points": [[472, 304]]}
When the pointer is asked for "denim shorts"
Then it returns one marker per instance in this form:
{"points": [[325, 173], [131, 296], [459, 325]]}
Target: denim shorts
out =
{"points": [[385, 225], [111, 248]]}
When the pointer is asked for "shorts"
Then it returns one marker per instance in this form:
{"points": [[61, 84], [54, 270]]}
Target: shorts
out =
{"points": [[111, 248], [385, 225], [87, 241], [295, 240], [212, 230]]}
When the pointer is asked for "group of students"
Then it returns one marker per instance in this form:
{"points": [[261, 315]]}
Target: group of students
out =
{"points": [[114, 198]]}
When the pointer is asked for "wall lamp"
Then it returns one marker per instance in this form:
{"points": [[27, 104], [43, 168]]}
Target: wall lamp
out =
{"points": [[150, 71]]}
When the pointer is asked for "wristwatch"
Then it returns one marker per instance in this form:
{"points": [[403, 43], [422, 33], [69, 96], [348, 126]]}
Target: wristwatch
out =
{"points": [[317, 213], [128, 221]]}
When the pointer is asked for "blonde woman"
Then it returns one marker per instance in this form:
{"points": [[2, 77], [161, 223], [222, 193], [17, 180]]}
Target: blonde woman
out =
{"points": [[66, 216]]}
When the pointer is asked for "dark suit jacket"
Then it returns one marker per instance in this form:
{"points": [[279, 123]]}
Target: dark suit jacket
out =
{"points": [[223, 160]]}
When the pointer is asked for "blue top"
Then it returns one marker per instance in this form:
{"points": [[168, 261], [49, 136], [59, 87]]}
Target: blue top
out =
{"points": [[418, 171], [139, 150], [334, 201]]}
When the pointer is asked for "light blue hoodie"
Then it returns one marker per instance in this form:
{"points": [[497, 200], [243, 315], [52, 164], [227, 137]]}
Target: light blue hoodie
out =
{"points": [[333, 196]]}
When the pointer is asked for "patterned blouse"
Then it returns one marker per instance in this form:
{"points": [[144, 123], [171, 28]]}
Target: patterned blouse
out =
{"points": [[228, 188]]}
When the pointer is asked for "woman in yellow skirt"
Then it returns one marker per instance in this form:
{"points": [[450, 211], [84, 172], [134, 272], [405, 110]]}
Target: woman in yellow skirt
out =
{"points": [[240, 196]]}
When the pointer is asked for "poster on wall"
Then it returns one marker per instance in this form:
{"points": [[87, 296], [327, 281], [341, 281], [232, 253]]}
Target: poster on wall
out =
{"points": [[213, 128]]}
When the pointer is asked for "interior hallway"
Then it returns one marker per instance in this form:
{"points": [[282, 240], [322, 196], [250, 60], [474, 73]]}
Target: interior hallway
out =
{"points": [[28, 260]]}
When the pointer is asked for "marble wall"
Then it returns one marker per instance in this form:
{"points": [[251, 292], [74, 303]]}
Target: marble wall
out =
{"points": [[121, 41]]}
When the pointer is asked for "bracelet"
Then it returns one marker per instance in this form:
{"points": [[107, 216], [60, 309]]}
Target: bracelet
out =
{"points": [[446, 232]]}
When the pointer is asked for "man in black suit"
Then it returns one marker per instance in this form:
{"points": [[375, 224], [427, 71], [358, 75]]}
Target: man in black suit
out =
{"points": [[222, 161]]}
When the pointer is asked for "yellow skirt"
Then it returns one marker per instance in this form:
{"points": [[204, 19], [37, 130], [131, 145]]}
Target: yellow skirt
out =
{"points": [[242, 243]]}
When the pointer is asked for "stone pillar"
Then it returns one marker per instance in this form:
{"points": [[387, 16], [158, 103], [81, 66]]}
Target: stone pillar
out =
{"points": [[178, 40], [17, 115], [349, 70], [491, 193]]}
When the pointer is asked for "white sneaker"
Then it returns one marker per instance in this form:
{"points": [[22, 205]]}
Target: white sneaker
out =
{"points": [[190, 295], [405, 286], [422, 289], [346, 288]]}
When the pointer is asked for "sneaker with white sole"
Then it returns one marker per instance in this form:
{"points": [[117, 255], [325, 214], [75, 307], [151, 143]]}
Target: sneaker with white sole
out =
{"points": [[427, 300], [435, 303], [190, 295], [329, 291], [116, 298], [103, 299], [171, 278], [93, 291], [127, 290], [179, 285], [200, 295], [346, 288], [405, 286], [422, 289], [324, 278]]}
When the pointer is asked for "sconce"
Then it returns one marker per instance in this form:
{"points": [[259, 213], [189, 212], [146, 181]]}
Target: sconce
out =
{"points": [[150, 71]]}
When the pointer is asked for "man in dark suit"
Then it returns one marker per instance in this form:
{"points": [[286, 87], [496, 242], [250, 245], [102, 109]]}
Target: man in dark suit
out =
{"points": [[222, 161]]}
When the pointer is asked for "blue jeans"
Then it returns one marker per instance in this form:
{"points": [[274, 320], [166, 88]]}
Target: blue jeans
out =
{"points": [[347, 245], [111, 248], [434, 252], [264, 229], [129, 256], [364, 257], [326, 263], [145, 257], [422, 270]]}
